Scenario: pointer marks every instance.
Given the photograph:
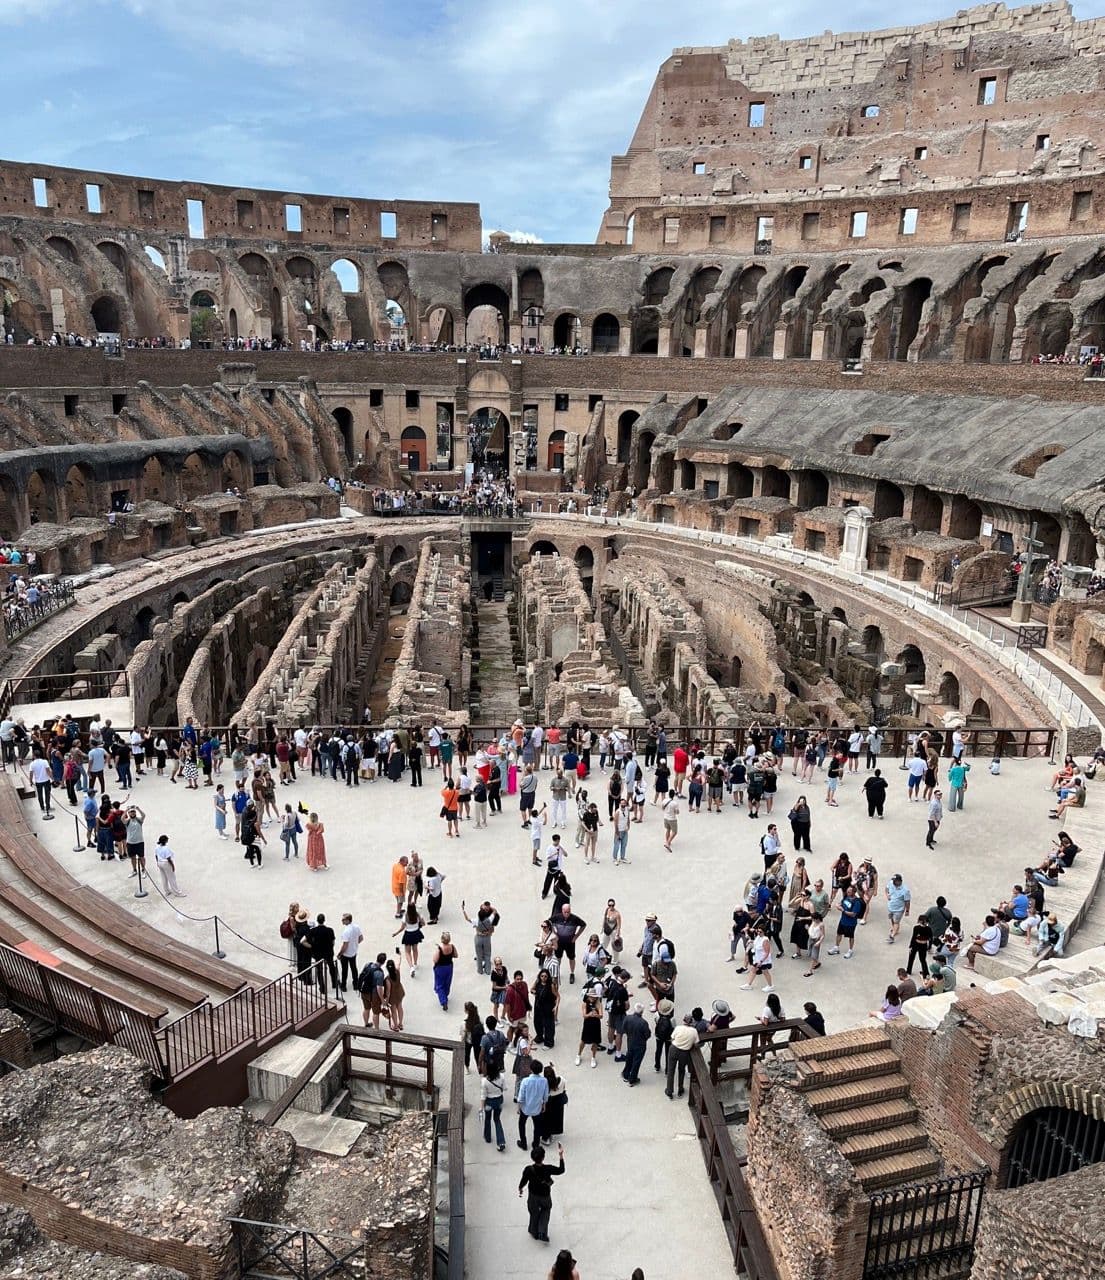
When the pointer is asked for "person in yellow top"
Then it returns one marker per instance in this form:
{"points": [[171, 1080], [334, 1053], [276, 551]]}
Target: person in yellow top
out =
{"points": [[399, 885]]}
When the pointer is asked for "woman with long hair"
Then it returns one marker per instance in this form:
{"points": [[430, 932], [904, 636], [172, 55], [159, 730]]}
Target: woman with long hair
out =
{"points": [[411, 929], [591, 1032], [445, 953], [393, 996]]}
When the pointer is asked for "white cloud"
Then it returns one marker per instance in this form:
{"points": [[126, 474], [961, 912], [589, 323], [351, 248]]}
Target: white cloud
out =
{"points": [[516, 237]]}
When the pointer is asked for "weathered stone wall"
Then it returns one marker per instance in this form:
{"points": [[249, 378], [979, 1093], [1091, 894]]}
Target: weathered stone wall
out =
{"points": [[15, 1039]]}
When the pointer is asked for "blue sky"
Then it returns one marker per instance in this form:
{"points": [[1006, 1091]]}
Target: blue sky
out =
{"points": [[516, 104]]}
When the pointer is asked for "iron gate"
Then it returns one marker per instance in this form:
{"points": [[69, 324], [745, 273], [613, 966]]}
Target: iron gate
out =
{"points": [[927, 1230], [268, 1251], [1051, 1142]]}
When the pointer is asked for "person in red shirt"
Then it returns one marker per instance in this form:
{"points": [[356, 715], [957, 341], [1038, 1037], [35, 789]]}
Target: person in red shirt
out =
{"points": [[516, 1002], [680, 760]]}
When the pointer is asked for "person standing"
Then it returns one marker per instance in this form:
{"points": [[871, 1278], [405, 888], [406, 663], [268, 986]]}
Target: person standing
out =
{"points": [[444, 955], [136, 840], [621, 829], [485, 923], [683, 1039], [637, 1035], [316, 843], [800, 819], [533, 1092], [935, 817], [957, 785], [555, 857], [414, 759], [492, 1088], [220, 803], [434, 882], [166, 868], [351, 939], [320, 940], [919, 943], [874, 788], [399, 885], [42, 776], [851, 909], [558, 788], [538, 1178], [898, 902]]}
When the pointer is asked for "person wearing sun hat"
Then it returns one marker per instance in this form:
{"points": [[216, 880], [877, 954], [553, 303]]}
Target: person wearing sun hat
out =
{"points": [[644, 952], [722, 1016]]}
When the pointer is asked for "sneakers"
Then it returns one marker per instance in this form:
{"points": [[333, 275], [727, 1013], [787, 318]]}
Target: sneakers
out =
{"points": [[769, 990], [578, 1059], [746, 986], [834, 951], [847, 955], [594, 1064]]}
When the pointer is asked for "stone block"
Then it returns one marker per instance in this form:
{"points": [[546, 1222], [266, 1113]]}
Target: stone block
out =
{"points": [[1057, 1007]]}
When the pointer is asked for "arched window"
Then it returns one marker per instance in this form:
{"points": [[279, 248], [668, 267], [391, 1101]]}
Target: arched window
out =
{"points": [[156, 257], [349, 277], [1051, 1142]]}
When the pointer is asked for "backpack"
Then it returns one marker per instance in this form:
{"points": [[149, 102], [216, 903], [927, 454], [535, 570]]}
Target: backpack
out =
{"points": [[493, 1055], [371, 979], [286, 929], [667, 942]]}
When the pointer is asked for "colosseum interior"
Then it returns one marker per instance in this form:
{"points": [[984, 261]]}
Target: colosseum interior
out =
{"points": [[810, 436]]}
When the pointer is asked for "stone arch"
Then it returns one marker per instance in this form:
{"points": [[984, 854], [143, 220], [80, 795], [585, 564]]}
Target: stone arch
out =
{"points": [[11, 521], [203, 299], [233, 471], [554, 460], [748, 285], [1050, 1142], [584, 560], [702, 285], [949, 690], [1019, 1103], [839, 614], [980, 712], [531, 291], [543, 547], [688, 475], [253, 264], [156, 257], [912, 660], [42, 498], [399, 553], [80, 491], [482, 298], [874, 646], [853, 335], [645, 339], [300, 268], [605, 334], [400, 593], [775, 483], [625, 433], [889, 501], [813, 489], [567, 331], [106, 315], [195, 479], [412, 447], [645, 441], [153, 480], [232, 323], [914, 296], [62, 247], [793, 281], [343, 418], [966, 518], [440, 327], [347, 274], [740, 480], [926, 509], [142, 627], [657, 285]]}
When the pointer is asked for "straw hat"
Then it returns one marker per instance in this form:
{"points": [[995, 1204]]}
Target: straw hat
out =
{"points": [[666, 1008]]}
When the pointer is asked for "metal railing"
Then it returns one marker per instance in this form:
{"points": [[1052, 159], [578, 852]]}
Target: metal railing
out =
{"points": [[21, 617], [266, 1249], [751, 1254], [397, 1060], [924, 1230], [211, 1031], [67, 686], [70, 1005]]}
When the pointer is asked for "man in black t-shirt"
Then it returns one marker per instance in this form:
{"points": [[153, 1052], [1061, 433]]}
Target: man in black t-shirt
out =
{"points": [[321, 941], [539, 1180], [567, 927]]}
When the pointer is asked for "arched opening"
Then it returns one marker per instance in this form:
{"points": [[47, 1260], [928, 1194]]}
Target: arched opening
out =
{"points": [[966, 519], [233, 473], [839, 614], [105, 315], [114, 254], [585, 560], [1049, 1143], [793, 281], [868, 291], [254, 265], [10, 520], [646, 332], [153, 480], [645, 442], [276, 315], [749, 284], [201, 298], [439, 326], [1048, 532], [488, 438], [664, 472], [874, 647], [531, 291], [927, 510], [62, 247], [156, 257], [348, 275], [544, 548], [605, 335], [400, 593], [948, 694], [486, 315], [688, 475], [914, 297], [300, 268], [1055, 329], [657, 285], [80, 492], [625, 433], [740, 481], [854, 333], [566, 332], [813, 490], [142, 627], [735, 666], [232, 324], [703, 284], [889, 502], [555, 452], [912, 662], [629, 228], [980, 712], [412, 448], [344, 419], [399, 553], [194, 478], [42, 498], [775, 483]]}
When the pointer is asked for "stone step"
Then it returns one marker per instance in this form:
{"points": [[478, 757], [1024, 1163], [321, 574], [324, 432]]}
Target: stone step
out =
{"points": [[857, 1066], [857, 1093], [878, 1115], [862, 1147], [842, 1044], [898, 1169]]}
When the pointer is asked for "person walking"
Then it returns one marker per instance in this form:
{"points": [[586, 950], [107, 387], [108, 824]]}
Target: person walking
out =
{"points": [[851, 909], [411, 929], [935, 817], [957, 785], [450, 808], [591, 1032], [434, 882], [637, 1035], [485, 923], [42, 776], [289, 831], [351, 939], [546, 1006], [919, 943], [166, 868], [444, 955], [492, 1089], [898, 903], [538, 1178], [670, 811]]}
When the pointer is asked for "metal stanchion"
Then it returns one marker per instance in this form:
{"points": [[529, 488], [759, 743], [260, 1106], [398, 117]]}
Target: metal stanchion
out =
{"points": [[218, 953], [80, 837], [140, 892]]}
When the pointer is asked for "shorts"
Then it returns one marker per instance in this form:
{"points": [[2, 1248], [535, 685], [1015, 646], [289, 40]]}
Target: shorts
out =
{"points": [[671, 825], [498, 997], [766, 967], [566, 949], [715, 793], [847, 928], [616, 1022], [813, 951], [136, 850], [853, 755], [833, 783], [895, 916]]}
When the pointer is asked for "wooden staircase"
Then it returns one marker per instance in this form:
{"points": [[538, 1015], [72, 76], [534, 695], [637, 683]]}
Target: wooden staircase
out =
{"points": [[854, 1084]]}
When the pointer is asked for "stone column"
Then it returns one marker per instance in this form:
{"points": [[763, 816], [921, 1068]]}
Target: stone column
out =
{"points": [[853, 553]]}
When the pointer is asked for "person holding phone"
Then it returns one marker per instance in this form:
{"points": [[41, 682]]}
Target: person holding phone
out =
{"points": [[538, 1178]]}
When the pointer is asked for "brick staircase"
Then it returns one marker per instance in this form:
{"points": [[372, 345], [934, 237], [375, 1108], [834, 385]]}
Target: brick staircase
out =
{"points": [[854, 1084]]}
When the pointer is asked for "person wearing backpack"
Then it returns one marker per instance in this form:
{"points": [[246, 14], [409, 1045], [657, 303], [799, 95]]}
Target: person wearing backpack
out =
{"points": [[371, 983], [289, 831], [492, 1055]]}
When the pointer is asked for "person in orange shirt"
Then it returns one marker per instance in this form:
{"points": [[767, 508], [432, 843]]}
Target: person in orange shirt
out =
{"points": [[450, 799], [399, 885]]}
